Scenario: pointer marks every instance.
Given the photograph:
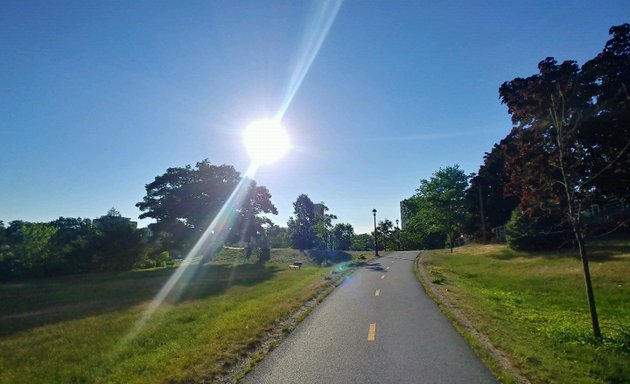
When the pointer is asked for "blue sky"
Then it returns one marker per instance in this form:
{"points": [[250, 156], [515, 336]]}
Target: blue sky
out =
{"points": [[99, 97]]}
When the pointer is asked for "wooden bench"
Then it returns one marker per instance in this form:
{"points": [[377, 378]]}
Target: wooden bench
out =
{"points": [[295, 265]]}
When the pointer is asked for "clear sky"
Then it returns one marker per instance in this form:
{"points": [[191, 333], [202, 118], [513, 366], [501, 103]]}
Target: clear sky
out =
{"points": [[99, 97]]}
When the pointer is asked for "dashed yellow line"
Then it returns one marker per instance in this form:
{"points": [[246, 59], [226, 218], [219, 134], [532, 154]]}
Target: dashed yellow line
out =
{"points": [[377, 293], [372, 332]]}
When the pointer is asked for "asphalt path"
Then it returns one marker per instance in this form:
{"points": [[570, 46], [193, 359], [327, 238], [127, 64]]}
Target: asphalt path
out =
{"points": [[379, 326]]}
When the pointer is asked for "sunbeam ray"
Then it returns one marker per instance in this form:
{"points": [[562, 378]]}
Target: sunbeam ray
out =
{"points": [[315, 33], [214, 234]]}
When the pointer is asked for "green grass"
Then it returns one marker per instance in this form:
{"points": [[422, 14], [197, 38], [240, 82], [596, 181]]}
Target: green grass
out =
{"points": [[70, 329], [533, 307]]}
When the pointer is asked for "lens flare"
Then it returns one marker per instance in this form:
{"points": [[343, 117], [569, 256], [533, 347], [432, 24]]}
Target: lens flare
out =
{"points": [[268, 142]]}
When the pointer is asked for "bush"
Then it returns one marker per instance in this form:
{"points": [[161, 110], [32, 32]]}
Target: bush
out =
{"points": [[530, 233]]}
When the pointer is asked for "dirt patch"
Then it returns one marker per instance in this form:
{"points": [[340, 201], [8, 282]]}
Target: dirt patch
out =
{"points": [[436, 293]]}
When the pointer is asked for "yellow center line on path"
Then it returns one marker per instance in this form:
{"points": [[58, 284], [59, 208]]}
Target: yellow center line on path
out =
{"points": [[382, 277], [377, 293], [372, 332]]}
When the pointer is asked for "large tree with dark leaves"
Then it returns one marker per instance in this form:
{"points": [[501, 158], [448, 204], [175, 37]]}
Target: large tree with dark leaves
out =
{"points": [[573, 132], [489, 190], [187, 199]]}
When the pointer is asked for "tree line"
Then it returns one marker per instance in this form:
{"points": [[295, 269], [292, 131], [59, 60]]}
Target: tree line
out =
{"points": [[562, 174], [183, 202], [74, 245]]}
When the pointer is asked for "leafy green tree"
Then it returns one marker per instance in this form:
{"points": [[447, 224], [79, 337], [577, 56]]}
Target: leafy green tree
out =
{"points": [[72, 244], [411, 240], [439, 205], [343, 234], [300, 226], [278, 236], [185, 200], [33, 252], [362, 242], [323, 226], [387, 239]]}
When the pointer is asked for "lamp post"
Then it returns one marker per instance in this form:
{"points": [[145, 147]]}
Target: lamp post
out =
{"points": [[375, 235], [398, 230]]}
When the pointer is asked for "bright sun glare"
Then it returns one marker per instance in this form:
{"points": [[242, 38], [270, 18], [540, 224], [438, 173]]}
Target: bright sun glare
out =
{"points": [[266, 141]]}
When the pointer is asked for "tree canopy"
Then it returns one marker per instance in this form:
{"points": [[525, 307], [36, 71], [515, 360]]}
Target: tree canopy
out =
{"points": [[190, 198], [439, 205]]}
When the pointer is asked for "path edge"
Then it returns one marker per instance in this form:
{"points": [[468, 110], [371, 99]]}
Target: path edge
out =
{"points": [[497, 361], [280, 330]]}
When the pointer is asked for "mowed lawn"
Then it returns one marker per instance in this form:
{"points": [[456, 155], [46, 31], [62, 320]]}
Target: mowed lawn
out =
{"points": [[533, 307], [77, 329]]}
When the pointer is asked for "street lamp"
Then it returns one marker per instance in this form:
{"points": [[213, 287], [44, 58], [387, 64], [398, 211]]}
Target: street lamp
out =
{"points": [[375, 235], [398, 230]]}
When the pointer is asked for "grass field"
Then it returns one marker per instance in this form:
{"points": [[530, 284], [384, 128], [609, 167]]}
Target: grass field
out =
{"points": [[533, 307], [76, 329]]}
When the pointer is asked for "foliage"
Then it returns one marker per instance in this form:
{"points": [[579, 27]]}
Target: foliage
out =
{"points": [[323, 226], [185, 200], [410, 240], [362, 242], [387, 236], [569, 145], [300, 226], [278, 236], [493, 180], [70, 246], [525, 232], [439, 205], [343, 234], [573, 129]]}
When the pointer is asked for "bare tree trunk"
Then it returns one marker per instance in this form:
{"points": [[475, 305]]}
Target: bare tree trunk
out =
{"points": [[557, 114], [587, 280]]}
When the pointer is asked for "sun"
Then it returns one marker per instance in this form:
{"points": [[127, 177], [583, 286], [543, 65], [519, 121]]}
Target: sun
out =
{"points": [[266, 141]]}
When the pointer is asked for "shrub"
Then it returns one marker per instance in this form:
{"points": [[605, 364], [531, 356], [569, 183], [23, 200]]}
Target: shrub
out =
{"points": [[525, 232]]}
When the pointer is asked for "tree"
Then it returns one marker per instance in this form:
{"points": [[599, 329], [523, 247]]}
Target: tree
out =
{"points": [[362, 242], [72, 243], [300, 226], [185, 200], [278, 236], [343, 234], [387, 239], [116, 244], [489, 190], [33, 252], [573, 126], [323, 226], [439, 205]]}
